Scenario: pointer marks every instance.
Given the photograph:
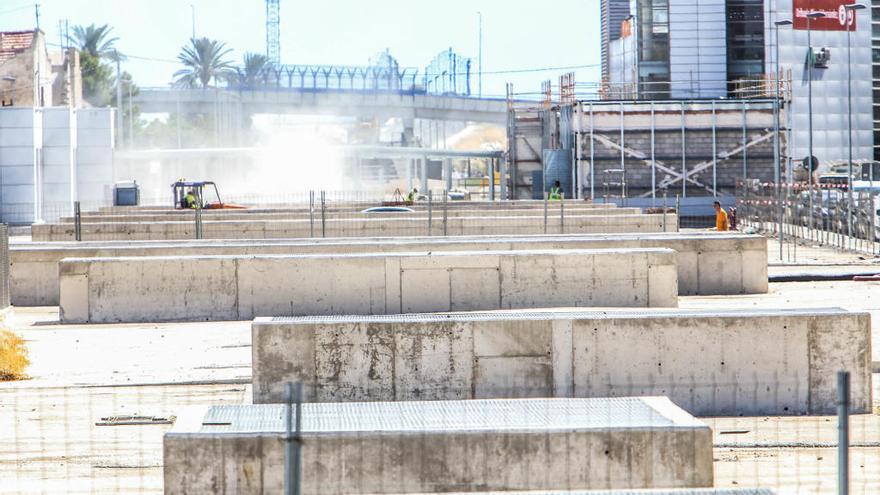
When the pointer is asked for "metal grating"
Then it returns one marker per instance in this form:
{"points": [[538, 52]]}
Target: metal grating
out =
{"points": [[450, 416], [4, 266], [506, 315]]}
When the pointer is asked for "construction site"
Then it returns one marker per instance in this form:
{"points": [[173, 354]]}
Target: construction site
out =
{"points": [[376, 279]]}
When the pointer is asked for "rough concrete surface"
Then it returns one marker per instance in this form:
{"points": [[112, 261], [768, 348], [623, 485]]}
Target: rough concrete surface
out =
{"points": [[54, 446], [708, 263], [101, 290], [394, 447], [708, 362]]}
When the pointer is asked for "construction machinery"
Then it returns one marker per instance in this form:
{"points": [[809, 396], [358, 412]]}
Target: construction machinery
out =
{"points": [[200, 189]]}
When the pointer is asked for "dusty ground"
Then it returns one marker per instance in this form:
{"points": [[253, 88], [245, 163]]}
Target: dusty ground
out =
{"points": [[50, 443]]}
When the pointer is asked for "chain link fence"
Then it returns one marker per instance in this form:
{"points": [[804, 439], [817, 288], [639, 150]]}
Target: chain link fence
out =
{"points": [[317, 214], [4, 267]]}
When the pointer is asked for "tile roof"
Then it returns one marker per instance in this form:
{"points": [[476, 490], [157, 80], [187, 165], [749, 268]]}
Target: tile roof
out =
{"points": [[14, 42]]}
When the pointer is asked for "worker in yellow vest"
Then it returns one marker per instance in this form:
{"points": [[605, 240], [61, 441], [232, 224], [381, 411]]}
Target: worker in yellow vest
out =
{"points": [[556, 193]]}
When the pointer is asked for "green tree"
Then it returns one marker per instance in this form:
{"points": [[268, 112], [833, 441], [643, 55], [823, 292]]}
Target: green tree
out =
{"points": [[98, 80], [95, 40], [254, 66], [204, 61], [95, 46]]}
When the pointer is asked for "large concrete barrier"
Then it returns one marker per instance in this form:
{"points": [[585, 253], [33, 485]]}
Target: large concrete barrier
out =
{"points": [[242, 287], [708, 263], [361, 227], [442, 446], [708, 362]]}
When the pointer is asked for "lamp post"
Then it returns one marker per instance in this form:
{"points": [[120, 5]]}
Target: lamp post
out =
{"points": [[810, 62], [777, 152], [480, 55], [850, 11]]}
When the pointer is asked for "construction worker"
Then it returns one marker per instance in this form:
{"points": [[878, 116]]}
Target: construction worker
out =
{"points": [[721, 222], [556, 193], [411, 196], [190, 199]]}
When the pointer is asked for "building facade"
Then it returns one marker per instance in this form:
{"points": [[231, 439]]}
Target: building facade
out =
{"points": [[689, 49], [31, 76], [612, 15]]}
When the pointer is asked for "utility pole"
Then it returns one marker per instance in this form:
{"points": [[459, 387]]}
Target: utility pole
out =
{"points": [[193, 8], [37, 13], [118, 100]]}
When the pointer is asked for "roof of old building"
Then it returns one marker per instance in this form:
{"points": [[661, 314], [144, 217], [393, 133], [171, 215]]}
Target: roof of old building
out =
{"points": [[14, 42]]}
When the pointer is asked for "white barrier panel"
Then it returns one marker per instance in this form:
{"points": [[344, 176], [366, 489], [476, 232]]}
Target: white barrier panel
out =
{"points": [[708, 263], [150, 289], [442, 446], [708, 362]]}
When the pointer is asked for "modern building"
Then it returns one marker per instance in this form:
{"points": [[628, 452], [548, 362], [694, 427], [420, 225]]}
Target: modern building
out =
{"points": [[689, 49], [613, 13], [875, 73]]}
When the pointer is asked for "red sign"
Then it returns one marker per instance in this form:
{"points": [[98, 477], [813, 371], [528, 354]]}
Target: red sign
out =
{"points": [[836, 17]]}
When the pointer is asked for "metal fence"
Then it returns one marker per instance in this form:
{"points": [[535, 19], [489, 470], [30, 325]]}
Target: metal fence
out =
{"points": [[798, 213], [4, 266], [109, 439], [317, 214]]}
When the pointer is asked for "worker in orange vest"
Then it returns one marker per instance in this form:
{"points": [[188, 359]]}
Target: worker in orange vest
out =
{"points": [[721, 222]]}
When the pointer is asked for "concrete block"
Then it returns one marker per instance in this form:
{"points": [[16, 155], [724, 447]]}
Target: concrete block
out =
{"points": [[443, 446], [773, 362], [35, 282], [242, 287]]}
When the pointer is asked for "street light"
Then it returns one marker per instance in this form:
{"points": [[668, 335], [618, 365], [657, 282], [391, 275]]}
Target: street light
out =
{"points": [[480, 55], [777, 154], [810, 17], [851, 8]]}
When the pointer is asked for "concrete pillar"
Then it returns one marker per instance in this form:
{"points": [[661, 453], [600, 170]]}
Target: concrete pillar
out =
{"points": [[491, 179], [410, 163], [447, 173]]}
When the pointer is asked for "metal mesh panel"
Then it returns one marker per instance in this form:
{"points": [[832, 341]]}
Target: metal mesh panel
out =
{"points": [[4, 266]]}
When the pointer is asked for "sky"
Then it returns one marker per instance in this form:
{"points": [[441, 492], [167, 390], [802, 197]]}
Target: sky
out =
{"points": [[516, 34]]}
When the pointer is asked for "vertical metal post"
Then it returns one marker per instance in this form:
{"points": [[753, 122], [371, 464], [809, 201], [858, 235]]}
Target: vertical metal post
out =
{"points": [[293, 440], [622, 157], [323, 215], [502, 184], [745, 171], [843, 432], [491, 179], [562, 215], [810, 117], [545, 212], [430, 204], [199, 220], [77, 221], [677, 213], [664, 210], [714, 151], [593, 159], [445, 212], [311, 213], [653, 163], [683, 155]]}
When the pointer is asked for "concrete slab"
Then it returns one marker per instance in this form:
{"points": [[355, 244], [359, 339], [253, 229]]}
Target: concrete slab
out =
{"points": [[746, 362], [443, 446], [34, 270], [103, 290]]}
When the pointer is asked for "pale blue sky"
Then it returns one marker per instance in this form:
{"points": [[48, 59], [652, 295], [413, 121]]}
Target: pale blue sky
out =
{"points": [[516, 34]]}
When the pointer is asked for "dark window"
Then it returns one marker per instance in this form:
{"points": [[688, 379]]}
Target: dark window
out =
{"points": [[745, 39], [876, 112]]}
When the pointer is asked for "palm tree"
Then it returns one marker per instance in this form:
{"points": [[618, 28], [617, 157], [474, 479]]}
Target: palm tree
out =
{"points": [[255, 65], [205, 61], [95, 41]]}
